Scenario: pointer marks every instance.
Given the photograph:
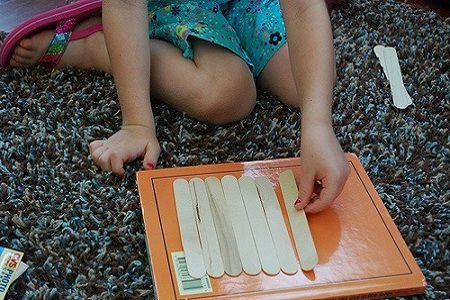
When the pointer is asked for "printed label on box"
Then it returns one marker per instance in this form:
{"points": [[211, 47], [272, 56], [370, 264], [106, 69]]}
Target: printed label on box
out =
{"points": [[9, 262], [188, 285]]}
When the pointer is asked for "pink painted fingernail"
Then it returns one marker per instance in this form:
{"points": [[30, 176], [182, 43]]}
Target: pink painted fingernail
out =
{"points": [[297, 202], [150, 165]]}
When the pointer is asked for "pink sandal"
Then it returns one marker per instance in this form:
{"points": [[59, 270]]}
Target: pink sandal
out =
{"points": [[64, 18]]}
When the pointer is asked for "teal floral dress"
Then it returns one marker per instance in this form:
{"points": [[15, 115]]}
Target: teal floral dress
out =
{"points": [[252, 29]]}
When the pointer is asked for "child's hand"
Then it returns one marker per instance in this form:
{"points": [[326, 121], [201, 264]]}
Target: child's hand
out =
{"points": [[323, 161], [129, 143]]}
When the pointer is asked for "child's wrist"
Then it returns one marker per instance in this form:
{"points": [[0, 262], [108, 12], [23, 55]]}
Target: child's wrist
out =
{"points": [[142, 122], [316, 112], [142, 116], [316, 122], [147, 127]]}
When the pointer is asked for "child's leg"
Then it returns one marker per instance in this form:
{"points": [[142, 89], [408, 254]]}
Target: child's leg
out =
{"points": [[278, 79], [216, 86], [261, 30]]}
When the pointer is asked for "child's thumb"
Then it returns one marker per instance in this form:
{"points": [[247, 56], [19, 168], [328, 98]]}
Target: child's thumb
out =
{"points": [[150, 158], [305, 190]]}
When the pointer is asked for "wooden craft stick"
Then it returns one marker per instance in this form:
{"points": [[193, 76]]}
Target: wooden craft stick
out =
{"points": [[379, 52], [258, 223], [225, 234], [400, 96], [188, 229], [213, 262], [241, 226], [391, 67], [278, 230], [201, 229], [299, 224]]}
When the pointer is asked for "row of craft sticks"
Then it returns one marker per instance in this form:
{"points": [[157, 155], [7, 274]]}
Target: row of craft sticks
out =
{"points": [[231, 225]]}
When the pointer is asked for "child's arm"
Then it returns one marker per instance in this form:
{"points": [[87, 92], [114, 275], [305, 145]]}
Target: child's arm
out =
{"points": [[125, 24], [312, 61]]}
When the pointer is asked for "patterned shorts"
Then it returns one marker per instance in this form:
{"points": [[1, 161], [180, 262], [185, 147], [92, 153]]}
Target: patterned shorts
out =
{"points": [[252, 29]]}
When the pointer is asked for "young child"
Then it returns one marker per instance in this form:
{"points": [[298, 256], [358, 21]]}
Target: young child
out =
{"points": [[207, 58]]}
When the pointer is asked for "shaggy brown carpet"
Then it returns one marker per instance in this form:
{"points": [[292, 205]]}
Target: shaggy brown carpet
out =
{"points": [[81, 229]]}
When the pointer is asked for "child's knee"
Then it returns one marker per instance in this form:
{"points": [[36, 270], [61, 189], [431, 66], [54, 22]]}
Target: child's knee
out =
{"points": [[227, 100]]}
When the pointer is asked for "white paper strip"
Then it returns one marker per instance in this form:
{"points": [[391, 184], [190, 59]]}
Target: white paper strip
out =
{"points": [[225, 234], [212, 255], [299, 224], [258, 223], [241, 226], [391, 67], [20, 270], [188, 229], [277, 226]]}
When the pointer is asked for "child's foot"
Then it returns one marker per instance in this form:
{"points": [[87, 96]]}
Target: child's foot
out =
{"points": [[78, 53]]}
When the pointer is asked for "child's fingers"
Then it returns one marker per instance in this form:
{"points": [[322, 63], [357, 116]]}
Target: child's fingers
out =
{"points": [[317, 187], [103, 158], [117, 164], [317, 205], [95, 153], [305, 190], [150, 157], [148, 165], [327, 195], [94, 145]]}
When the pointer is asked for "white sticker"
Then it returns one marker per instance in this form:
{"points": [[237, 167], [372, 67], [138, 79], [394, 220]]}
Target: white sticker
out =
{"points": [[9, 263], [188, 285]]}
